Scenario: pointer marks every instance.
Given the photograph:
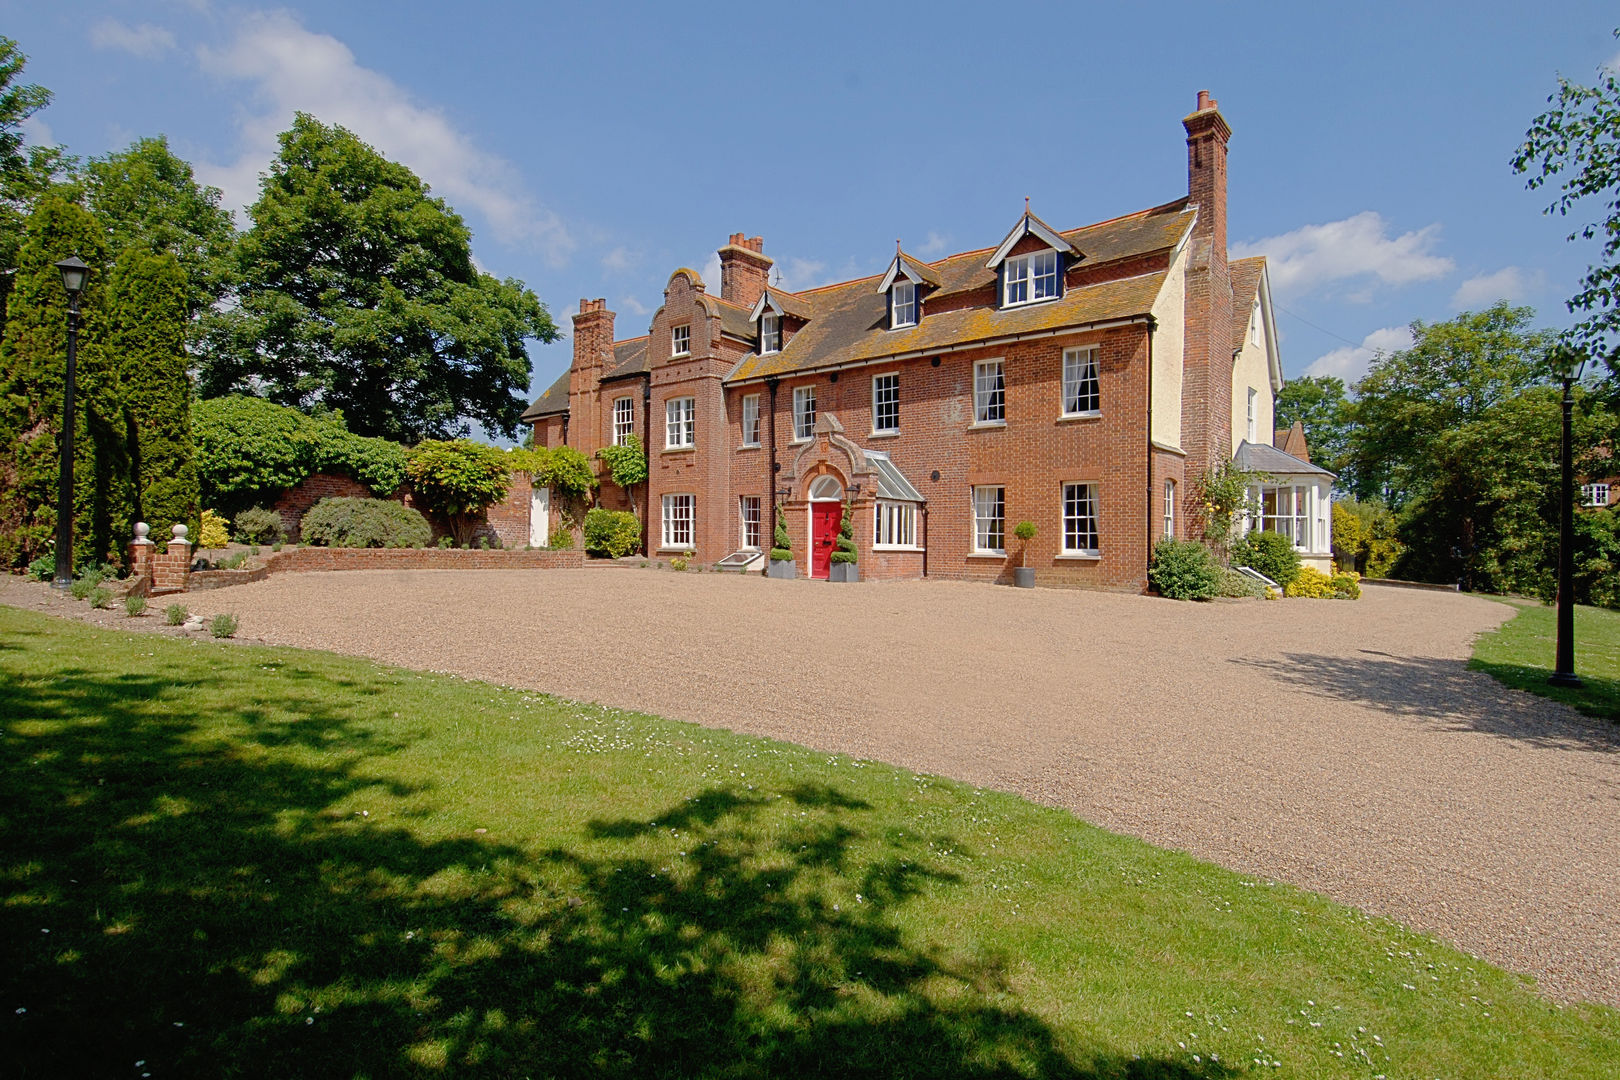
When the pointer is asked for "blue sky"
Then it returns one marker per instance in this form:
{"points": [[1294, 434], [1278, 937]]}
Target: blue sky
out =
{"points": [[594, 148]]}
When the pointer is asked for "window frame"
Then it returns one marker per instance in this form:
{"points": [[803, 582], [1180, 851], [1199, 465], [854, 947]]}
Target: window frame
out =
{"points": [[669, 521], [1254, 396], [1068, 502], [895, 321], [982, 408], [773, 335], [687, 423], [758, 520], [1595, 494], [679, 336], [1299, 511], [628, 423], [900, 516], [991, 528], [750, 399], [1170, 509], [878, 404], [1027, 278], [1087, 354], [800, 395]]}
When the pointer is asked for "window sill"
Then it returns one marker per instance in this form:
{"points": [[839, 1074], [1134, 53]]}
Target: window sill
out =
{"points": [[903, 326], [798, 442], [898, 547], [679, 449], [1031, 303], [987, 425], [749, 446], [1080, 556], [987, 555], [680, 550], [1065, 418], [884, 435], [680, 355]]}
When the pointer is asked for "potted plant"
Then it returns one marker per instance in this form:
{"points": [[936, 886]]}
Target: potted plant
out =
{"points": [[844, 565], [1024, 576], [782, 564]]}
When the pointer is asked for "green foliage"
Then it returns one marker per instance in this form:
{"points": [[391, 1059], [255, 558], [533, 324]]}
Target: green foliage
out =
{"points": [[681, 561], [1346, 586], [1270, 553], [89, 579], [100, 597], [175, 614], [1576, 143], [781, 543], [147, 308], [1597, 558], [1184, 570], [568, 473], [458, 479], [1364, 537], [222, 625], [446, 542], [561, 539], [1221, 496], [1319, 403], [148, 200], [361, 523], [1234, 584], [844, 550], [1311, 584], [249, 450], [357, 290], [43, 568], [614, 533], [214, 533], [1025, 531], [134, 604], [627, 464], [33, 363], [26, 172], [260, 526]]}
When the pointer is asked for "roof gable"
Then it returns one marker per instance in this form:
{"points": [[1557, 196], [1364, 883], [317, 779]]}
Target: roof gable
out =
{"points": [[904, 265], [1030, 225]]}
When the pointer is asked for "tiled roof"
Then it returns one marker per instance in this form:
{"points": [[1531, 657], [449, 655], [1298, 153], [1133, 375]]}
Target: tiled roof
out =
{"points": [[734, 320], [550, 403], [921, 269], [790, 303], [1273, 462], [629, 358], [849, 320], [1245, 275]]}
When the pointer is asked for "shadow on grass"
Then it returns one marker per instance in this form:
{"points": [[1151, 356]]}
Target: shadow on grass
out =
{"points": [[1441, 693], [177, 902]]}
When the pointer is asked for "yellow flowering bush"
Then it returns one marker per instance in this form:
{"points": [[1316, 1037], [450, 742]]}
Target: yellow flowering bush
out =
{"points": [[214, 533]]}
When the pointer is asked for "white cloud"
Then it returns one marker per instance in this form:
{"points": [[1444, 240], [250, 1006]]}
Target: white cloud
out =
{"points": [[37, 132], [1356, 247], [290, 69], [621, 259], [1508, 283], [934, 244], [800, 274], [711, 274], [634, 306], [145, 40], [1613, 66], [1350, 363]]}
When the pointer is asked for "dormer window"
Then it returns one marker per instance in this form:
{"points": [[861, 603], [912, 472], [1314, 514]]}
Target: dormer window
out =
{"points": [[903, 304], [1026, 279], [770, 332]]}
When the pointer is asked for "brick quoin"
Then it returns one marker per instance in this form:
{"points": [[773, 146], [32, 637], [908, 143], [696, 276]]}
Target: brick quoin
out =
{"points": [[938, 447]]}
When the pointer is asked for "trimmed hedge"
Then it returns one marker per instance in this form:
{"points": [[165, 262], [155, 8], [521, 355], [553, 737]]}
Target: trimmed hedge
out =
{"points": [[361, 523], [614, 533], [260, 526]]}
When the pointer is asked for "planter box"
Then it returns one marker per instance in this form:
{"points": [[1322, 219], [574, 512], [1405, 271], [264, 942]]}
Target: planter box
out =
{"points": [[844, 571], [1024, 577], [782, 568]]}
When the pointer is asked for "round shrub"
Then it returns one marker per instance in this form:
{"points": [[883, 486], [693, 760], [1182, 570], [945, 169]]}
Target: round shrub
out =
{"points": [[614, 533], [1184, 570], [134, 604], [175, 615], [223, 625], [359, 523], [260, 526], [43, 568], [1311, 584], [1346, 586], [1270, 553]]}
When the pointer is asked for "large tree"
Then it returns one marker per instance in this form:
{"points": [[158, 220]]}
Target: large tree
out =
{"points": [[26, 172], [1576, 144], [357, 291], [1452, 375], [33, 362], [148, 198], [1320, 404], [148, 311]]}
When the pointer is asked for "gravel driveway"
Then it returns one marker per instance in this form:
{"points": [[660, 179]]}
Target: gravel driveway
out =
{"points": [[1342, 747]]}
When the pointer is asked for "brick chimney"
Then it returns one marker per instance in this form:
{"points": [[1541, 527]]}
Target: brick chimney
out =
{"points": [[593, 356], [744, 270], [1207, 389]]}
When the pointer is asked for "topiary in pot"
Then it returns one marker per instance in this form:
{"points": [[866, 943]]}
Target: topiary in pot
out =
{"points": [[1023, 574], [845, 556], [782, 564]]}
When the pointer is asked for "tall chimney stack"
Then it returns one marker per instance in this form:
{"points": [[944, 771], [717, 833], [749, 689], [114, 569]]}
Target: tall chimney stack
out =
{"points": [[744, 270], [1207, 397]]}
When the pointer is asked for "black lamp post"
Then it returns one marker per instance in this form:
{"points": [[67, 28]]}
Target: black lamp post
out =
{"points": [[1569, 364], [74, 272]]}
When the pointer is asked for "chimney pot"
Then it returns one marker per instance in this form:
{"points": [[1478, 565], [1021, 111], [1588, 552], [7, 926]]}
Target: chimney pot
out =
{"points": [[757, 243], [1205, 101], [737, 239]]}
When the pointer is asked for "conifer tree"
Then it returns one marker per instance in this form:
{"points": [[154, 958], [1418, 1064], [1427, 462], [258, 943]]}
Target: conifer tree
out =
{"points": [[147, 307], [33, 364]]}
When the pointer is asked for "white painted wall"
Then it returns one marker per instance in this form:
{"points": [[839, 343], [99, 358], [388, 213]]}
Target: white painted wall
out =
{"points": [[1253, 368], [1169, 356]]}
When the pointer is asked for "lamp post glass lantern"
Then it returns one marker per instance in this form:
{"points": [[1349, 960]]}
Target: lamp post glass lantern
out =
{"points": [[1569, 364], [74, 272]]}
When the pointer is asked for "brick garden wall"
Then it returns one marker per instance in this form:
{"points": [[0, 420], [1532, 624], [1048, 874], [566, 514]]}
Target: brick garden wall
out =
{"points": [[317, 558], [297, 500]]}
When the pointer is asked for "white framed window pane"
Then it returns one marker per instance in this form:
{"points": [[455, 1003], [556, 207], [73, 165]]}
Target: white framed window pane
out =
{"points": [[770, 332], [750, 521], [804, 412], [680, 422], [894, 524], [677, 521], [1044, 274], [1169, 508], [750, 420], [905, 303], [1081, 392], [1016, 274], [681, 341], [886, 403], [624, 416], [1079, 520], [1253, 393], [989, 520], [989, 393]]}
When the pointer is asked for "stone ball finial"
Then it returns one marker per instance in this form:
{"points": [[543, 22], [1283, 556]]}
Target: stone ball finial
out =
{"points": [[141, 529], [180, 532]]}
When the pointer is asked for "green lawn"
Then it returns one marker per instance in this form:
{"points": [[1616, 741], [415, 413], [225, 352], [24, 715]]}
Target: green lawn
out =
{"points": [[230, 860], [1520, 654]]}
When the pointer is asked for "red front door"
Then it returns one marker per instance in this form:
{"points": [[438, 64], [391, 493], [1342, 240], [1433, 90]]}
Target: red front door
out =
{"points": [[825, 517]]}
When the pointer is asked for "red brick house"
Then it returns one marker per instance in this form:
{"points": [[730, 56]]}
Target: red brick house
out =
{"points": [[1073, 378]]}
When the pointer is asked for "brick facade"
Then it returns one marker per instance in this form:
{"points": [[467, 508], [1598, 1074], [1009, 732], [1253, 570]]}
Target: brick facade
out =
{"points": [[837, 340]]}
